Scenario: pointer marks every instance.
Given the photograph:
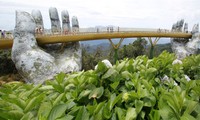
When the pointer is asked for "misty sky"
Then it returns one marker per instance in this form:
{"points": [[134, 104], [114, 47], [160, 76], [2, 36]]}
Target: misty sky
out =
{"points": [[123, 13]]}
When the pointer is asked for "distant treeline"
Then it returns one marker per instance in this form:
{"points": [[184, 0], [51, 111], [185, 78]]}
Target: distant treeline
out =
{"points": [[93, 54]]}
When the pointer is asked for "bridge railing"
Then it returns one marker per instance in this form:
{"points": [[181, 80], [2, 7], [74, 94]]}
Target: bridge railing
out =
{"points": [[99, 32], [83, 36], [102, 32]]}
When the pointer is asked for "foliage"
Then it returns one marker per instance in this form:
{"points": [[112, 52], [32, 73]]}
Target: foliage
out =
{"points": [[93, 54], [6, 64], [133, 50], [191, 66], [90, 59], [131, 89]]}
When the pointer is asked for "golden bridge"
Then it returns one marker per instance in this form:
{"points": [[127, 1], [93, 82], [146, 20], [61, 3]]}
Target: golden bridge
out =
{"points": [[85, 36]]}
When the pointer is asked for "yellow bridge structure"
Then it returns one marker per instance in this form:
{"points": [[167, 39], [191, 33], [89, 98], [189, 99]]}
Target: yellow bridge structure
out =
{"points": [[85, 36]]}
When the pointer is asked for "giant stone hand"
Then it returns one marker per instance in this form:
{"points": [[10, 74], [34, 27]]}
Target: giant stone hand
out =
{"points": [[184, 47], [39, 63]]}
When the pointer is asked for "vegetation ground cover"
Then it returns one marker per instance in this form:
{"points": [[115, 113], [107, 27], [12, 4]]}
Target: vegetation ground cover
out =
{"points": [[139, 88]]}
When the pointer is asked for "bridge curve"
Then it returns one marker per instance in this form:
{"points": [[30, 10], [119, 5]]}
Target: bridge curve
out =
{"points": [[85, 36]]}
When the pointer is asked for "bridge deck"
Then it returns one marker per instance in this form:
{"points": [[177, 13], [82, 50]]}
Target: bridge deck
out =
{"points": [[49, 39]]}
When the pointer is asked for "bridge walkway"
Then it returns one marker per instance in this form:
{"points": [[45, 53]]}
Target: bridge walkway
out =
{"points": [[85, 36]]}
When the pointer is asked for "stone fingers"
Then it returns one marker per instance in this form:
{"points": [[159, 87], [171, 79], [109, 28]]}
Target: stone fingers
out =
{"points": [[65, 22], [55, 21], [195, 29], [75, 24], [185, 29], [179, 26], [36, 14], [68, 55]]}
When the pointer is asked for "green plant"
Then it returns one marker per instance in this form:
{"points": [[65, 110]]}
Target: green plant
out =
{"points": [[131, 89]]}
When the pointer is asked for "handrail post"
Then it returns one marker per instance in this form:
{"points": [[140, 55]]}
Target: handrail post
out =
{"points": [[116, 48], [152, 46]]}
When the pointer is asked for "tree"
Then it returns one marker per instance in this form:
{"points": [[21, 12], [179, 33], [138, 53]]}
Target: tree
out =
{"points": [[137, 48]]}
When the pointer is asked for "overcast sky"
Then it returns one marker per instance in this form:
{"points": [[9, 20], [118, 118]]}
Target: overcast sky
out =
{"points": [[122, 13]]}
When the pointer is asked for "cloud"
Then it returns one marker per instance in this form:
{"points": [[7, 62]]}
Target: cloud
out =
{"points": [[127, 13]]}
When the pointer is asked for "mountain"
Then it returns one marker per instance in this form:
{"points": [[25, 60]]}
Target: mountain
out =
{"points": [[125, 42]]}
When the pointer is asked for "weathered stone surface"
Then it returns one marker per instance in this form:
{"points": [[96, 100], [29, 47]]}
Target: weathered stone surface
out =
{"points": [[65, 22], [75, 24], [33, 64], [185, 47], [67, 55], [36, 14], [55, 21], [36, 65]]}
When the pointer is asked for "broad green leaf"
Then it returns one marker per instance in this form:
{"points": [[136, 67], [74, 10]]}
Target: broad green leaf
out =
{"points": [[114, 85], [101, 68], [12, 114], [20, 102], [91, 108], [154, 114], [167, 113], [69, 87], [151, 70], [138, 105], [109, 73], [70, 104], [107, 113], [60, 77], [120, 113], [144, 93], [129, 85], [187, 117], [133, 95], [84, 93], [96, 93], [14, 102], [126, 75], [53, 95], [46, 87], [59, 88], [5, 91], [44, 110], [4, 105], [131, 114], [120, 66], [67, 117], [149, 101], [147, 85], [74, 110], [58, 99], [28, 116], [57, 111], [113, 100], [99, 107], [114, 116], [191, 105], [99, 115], [174, 103], [33, 102], [28, 93], [82, 114]]}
